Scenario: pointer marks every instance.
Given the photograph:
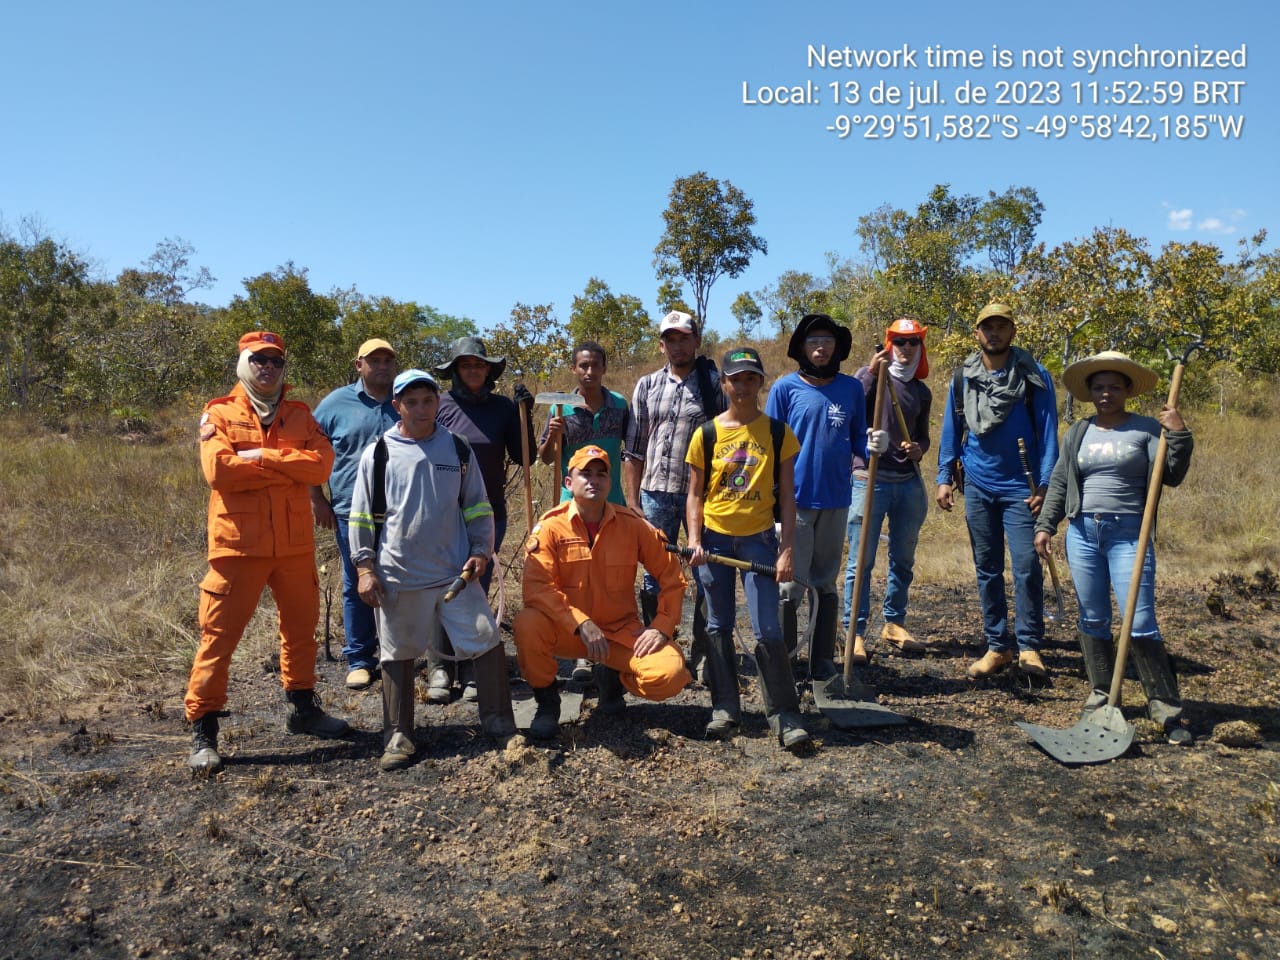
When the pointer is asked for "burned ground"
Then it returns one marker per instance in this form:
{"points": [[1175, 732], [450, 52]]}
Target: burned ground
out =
{"points": [[950, 836]]}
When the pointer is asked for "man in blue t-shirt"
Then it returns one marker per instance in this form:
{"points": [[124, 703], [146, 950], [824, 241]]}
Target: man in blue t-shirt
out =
{"points": [[1004, 395], [827, 411], [353, 417]]}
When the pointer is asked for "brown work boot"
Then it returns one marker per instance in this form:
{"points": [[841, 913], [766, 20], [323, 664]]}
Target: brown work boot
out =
{"points": [[859, 650], [991, 663], [1029, 662], [896, 636]]}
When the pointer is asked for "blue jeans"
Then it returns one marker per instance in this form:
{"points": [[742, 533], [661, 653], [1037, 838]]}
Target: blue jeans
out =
{"points": [[665, 511], [762, 592], [361, 645], [991, 519], [1101, 549], [905, 504]]}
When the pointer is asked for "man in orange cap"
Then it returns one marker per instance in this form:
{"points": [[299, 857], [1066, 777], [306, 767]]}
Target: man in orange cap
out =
{"points": [[579, 598], [899, 492], [261, 454]]}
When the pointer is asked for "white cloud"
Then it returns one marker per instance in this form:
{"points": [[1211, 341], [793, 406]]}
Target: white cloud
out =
{"points": [[1180, 219], [1214, 225]]}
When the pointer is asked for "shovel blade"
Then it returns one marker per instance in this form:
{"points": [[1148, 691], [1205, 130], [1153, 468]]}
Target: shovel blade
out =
{"points": [[1101, 735], [852, 706]]}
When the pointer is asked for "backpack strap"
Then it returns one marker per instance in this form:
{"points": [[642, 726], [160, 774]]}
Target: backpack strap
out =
{"points": [[379, 488], [777, 430], [463, 447], [708, 434]]}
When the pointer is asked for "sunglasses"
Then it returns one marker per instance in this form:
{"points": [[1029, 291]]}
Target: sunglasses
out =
{"points": [[906, 341], [266, 360]]}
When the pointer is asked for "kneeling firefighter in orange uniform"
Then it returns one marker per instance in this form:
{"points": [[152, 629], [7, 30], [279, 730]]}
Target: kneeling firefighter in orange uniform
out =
{"points": [[261, 454], [579, 598]]}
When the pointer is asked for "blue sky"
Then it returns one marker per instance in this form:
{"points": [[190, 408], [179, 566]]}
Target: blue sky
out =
{"points": [[472, 156]]}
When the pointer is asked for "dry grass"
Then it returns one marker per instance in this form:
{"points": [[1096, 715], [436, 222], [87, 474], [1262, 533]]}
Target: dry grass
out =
{"points": [[102, 546]]}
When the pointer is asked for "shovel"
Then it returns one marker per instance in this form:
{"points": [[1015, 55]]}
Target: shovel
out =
{"points": [[553, 399], [844, 700], [1104, 734], [1053, 566]]}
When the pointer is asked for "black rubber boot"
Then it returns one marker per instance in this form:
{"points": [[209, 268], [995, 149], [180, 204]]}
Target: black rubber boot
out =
{"points": [[701, 643], [778, 690], [722, 680], [612, 702], [648, 607], [1099, 662], [546, 720], [493, 695], [398, 747], [790, 625], [1160, 683], [822, 646], [306, 716], [204, 745]]}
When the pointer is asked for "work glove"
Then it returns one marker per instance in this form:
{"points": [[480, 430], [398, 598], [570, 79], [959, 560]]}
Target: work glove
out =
{"points": [[522, 395], [877, 441]]}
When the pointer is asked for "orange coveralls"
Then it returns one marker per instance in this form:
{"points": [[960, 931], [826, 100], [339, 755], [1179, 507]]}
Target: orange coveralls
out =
{"points": [[568, 580], [260, 534]]}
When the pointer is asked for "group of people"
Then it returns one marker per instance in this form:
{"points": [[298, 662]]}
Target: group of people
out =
{"points": [[411, 480]]}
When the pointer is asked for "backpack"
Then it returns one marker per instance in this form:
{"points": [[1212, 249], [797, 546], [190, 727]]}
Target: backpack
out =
{"points": [[957, 407], [460, 444], [777, 431]]}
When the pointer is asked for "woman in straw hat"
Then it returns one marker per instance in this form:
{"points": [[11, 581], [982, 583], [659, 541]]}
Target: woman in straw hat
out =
{"points": [[1100, 486]]}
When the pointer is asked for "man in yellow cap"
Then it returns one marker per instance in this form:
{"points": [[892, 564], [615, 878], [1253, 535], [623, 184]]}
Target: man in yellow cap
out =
{"points": [[353, 417], [579, 598], [999, 396]]}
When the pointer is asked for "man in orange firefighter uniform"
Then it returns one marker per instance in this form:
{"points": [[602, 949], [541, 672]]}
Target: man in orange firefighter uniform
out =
{"points": [[261, 454], [579, 599]]}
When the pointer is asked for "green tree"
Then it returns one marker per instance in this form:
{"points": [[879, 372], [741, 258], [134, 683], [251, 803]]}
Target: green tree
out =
{"points": [[748, 313], [792, 296], [671, 297], [43, 284], [284, 302], [707, 235], [1007, 225], [618, 322], [421, 334], [533, 342]]}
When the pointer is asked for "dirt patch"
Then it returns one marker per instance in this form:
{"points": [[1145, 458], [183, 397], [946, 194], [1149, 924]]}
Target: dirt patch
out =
{"points": [[951, 836]]}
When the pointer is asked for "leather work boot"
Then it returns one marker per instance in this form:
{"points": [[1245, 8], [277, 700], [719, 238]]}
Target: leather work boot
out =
{"points": [[897, 638], [778, 691], [306, 716], [361, 678], [1029, 662], [397, 714], [546, 719], [493, 694], [439, 686], [860, 656], [398, 753], [992, 662], [613, 696], [204, 745]]}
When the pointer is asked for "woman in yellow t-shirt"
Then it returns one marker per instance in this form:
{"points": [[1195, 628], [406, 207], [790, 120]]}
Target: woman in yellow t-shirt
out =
{"points": [[730, 512]]}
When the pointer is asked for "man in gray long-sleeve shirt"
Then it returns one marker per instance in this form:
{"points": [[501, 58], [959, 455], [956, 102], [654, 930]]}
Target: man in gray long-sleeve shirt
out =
{"points": [[436, 523]]}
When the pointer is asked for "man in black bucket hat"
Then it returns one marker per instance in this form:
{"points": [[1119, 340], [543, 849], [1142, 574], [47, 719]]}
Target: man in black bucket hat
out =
{"points": [[491, 423]]}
